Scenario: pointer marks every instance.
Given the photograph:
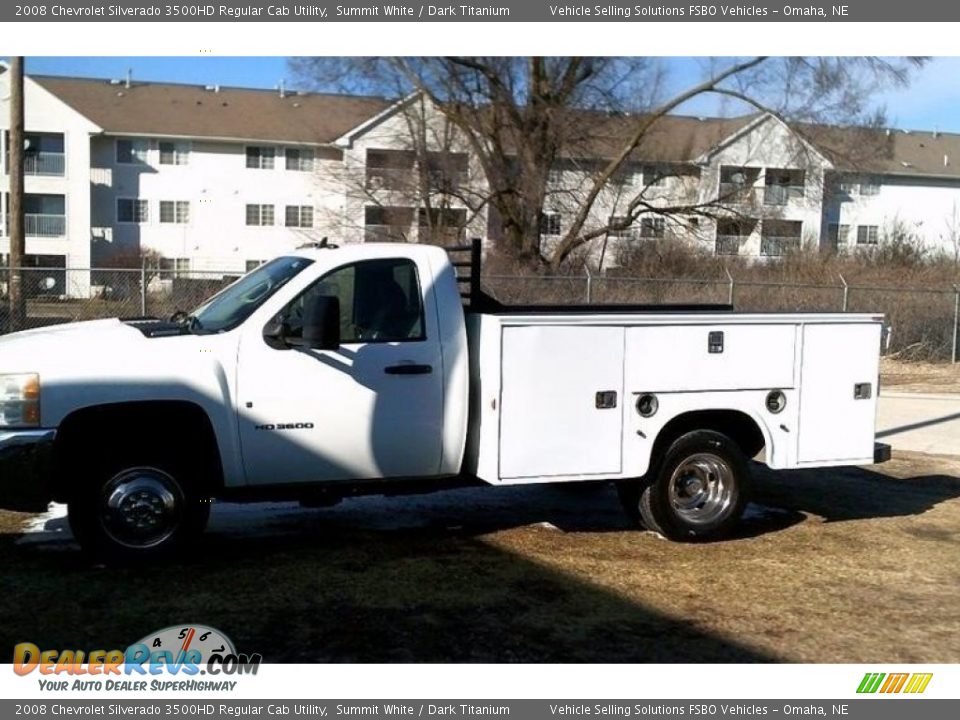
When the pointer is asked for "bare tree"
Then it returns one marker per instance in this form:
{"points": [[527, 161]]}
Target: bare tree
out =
{"points": [[414, 182], [522, 117], [952, 232]]}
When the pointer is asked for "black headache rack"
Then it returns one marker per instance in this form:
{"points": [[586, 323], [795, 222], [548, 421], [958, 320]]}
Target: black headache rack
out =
{"points": [[467, 261]]}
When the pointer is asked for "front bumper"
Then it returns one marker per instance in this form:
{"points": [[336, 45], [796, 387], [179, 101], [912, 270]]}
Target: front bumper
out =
{"points": [[881, 452], [26, 469]]}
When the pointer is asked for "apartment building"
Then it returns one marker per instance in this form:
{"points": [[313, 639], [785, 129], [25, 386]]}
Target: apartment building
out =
{"points": [[210, 178]]}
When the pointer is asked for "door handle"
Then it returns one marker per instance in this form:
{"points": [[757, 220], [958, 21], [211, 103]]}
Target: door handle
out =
{"points": [[408, 369]]}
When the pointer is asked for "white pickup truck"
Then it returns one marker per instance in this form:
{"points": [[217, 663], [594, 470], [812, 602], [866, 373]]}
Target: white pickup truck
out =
{"points": [[331, 372]]}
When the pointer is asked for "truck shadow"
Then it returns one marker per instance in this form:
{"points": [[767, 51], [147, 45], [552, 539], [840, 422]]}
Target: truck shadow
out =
{"points": [[853, 493], [319, 592], [468, 575]]}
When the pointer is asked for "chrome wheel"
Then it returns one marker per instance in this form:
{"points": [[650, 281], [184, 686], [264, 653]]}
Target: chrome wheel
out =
{"points": [[701, 489], [141, 507]]}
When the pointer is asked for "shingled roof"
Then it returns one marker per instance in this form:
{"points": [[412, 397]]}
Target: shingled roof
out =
{"points": [[672, 138], [194, 111], [151, 108], [920, 153]]}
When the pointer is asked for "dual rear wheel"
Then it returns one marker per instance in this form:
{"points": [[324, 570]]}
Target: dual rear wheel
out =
{"points": [[696, 491]]}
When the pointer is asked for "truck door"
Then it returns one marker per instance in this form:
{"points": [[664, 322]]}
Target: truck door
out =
{"points": [[372, 408]]}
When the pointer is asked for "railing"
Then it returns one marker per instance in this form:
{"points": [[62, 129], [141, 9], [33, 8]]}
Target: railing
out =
{"points": [[738, 194], [44, 163], [386, 233], [37, 225], [729, 244], [391, 178], [781, 194], [776, 245]]}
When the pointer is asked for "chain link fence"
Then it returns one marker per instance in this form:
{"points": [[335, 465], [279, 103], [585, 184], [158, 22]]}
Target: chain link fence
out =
{"points": [[59, 295], [922, 322]]}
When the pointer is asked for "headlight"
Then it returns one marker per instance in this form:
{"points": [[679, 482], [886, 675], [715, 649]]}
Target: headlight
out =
{"points": [[20, 400]]}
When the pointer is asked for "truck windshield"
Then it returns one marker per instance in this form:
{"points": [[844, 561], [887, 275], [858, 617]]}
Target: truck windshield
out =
{"points": [[236, 302]]}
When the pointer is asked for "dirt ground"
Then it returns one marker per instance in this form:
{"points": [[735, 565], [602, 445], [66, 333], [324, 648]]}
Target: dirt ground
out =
{"points": [[920, 377], [850, 565]]}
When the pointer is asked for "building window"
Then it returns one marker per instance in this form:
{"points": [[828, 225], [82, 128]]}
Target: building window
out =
{"points": [[656, 176], [175, 211], [870, 188], [299, 216], [848, 187], [132, 152], [253, 265], [174, 153], [174, 267], [550, 224], [298, 159], [259, 214], [837, 234], [867, 234], [260, 158], [132, 210], [652, 227], [555, 175], [619, 227]]}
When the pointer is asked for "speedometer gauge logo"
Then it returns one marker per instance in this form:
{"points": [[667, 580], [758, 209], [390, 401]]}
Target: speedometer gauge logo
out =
{"points": [[179, 640]]}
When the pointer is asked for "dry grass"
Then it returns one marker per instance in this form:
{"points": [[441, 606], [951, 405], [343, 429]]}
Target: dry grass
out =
{"points": [[13, 522], [853, 565], [919, 377]]}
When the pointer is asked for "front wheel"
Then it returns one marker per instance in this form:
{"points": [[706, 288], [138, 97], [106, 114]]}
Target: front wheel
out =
{"points": [[696, 492], [136, 512]]}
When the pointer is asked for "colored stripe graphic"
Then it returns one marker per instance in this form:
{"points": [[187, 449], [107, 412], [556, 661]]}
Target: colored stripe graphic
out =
{"points": [[870, 682], [918, 682], [894, 683]]}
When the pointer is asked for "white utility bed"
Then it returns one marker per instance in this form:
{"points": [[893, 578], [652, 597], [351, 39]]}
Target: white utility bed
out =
{"points": [[535, 380]]}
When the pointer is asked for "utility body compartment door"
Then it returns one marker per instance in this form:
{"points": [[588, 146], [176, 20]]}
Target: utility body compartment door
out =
{"points": [[836, 419], [561, 401]]}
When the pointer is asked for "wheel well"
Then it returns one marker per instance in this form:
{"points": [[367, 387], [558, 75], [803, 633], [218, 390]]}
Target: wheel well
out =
{"points": [[182, 426], [737, 425]]}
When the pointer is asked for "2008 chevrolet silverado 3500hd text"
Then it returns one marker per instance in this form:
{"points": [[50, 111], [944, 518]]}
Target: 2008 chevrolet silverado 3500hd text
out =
{"points": [[329, 372]]}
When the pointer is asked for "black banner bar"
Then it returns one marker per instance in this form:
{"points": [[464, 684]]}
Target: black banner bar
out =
{"points": [[493, 11]]}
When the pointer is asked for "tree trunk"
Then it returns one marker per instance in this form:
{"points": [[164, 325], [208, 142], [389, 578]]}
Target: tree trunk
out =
{"points": [[17, 239]]}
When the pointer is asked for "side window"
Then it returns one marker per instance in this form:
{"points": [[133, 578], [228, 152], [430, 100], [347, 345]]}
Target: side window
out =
{"points": [[380, 301]]}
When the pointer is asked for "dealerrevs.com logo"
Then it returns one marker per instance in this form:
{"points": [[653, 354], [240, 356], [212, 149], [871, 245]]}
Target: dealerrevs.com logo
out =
{"points": [[911, 683], [171, 658]]}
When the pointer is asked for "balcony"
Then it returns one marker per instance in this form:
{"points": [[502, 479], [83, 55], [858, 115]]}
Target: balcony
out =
{"points": [[386, 233], [781, 194], [391, 179], [777, 245], [729, 244], [44, 163], [737, 194], [36, 225]]}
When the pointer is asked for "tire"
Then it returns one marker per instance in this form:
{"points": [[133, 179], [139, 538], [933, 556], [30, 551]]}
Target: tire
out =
{"points": [[696, 492], [134, 511]]}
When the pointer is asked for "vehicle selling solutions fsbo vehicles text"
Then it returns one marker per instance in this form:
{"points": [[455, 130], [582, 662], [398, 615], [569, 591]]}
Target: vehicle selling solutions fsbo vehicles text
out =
{"points": [[642, 11]]}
